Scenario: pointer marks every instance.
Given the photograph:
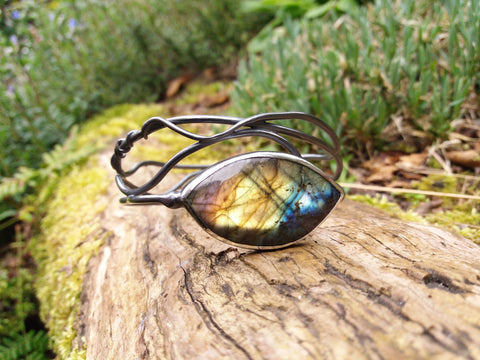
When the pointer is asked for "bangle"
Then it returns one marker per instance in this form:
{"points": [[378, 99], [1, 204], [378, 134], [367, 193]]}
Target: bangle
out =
{"points": [[261, 200]]}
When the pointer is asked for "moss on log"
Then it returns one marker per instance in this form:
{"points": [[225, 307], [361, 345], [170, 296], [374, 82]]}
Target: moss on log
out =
{"points": [[364, 285]]}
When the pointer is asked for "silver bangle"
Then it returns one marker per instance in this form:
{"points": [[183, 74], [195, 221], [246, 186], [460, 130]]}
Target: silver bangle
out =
{"points": [[260, 200]]}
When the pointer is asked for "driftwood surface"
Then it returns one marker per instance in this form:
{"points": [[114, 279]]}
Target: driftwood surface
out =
{"points": [[363, 285]]}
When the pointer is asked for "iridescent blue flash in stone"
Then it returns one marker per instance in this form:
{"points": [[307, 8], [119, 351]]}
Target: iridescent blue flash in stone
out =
{"points": [[262, 200]]}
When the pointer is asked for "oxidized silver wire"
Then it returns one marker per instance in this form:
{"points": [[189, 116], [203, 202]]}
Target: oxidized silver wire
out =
{"points": [[257, 125]]}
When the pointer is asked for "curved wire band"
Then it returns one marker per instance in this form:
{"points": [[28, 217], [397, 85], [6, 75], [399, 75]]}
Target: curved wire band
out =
{"points": [[257, 125]]}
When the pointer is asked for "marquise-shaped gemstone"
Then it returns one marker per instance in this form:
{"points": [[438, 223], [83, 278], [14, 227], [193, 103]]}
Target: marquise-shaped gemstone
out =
{"points": [[260, 200]]}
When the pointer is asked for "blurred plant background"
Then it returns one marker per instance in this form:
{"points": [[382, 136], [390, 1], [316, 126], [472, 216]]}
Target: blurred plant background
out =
{"points": [[387, 75], [63, 61], [374, 75]]}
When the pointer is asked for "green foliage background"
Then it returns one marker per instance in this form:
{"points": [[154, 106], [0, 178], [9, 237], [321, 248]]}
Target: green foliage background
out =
{"points": [[413, 64], [62, 61]]}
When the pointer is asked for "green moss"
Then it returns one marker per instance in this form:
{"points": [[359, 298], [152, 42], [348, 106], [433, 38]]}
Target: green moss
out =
{"points": [[464, 222], [197, 90], [71, 235], [460, 216], [381, 202], [115, 122], [440, 183]]}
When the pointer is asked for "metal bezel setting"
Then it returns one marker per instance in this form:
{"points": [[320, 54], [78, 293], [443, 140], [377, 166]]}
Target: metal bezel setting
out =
{"points": [[253, 155]]}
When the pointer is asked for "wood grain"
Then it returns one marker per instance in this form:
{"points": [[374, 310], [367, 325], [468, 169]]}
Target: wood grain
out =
{"points": [[362, 286]]}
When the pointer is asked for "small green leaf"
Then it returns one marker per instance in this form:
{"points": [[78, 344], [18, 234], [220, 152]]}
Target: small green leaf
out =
{"points": [[7, 214], [347, 6], [321, 10]]}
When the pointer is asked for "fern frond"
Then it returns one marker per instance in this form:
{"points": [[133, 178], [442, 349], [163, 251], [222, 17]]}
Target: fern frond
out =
{"points": [[32, 346]]}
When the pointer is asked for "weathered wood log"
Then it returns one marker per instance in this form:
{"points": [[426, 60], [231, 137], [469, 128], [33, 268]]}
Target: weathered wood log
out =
{"points": [[363, 285]]}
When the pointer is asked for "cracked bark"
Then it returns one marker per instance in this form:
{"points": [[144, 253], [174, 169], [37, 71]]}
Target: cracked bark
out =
{"points": [[362, 286]]}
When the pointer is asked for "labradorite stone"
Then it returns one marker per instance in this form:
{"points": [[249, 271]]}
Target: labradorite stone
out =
{"points": [[263, 201]]}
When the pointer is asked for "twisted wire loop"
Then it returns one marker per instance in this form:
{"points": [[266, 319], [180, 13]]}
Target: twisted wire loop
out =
{"points": [[257, 125]]}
